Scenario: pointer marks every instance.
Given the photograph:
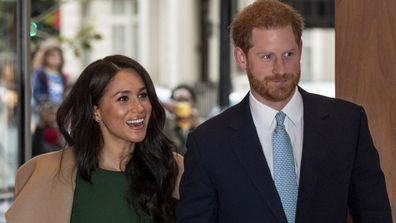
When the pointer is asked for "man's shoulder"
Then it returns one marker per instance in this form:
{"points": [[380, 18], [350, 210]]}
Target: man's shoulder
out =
{"points": [[221, 119], [312, 99]]}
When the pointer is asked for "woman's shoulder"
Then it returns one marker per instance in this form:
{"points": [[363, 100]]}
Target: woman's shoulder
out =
{"points": [[180, 165], [43, 166], [40, 191], [179, 160], [48, 159]]}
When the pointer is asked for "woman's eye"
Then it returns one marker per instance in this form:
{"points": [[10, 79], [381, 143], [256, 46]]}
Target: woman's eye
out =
{"points": [[123, 98], [143, 95]]}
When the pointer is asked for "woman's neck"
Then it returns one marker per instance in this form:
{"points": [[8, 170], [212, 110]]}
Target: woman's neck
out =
{"points": [[115, 158], [52, 69]]}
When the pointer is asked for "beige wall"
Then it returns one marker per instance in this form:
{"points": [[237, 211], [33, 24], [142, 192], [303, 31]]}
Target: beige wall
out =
{"points": [[366, 72]]}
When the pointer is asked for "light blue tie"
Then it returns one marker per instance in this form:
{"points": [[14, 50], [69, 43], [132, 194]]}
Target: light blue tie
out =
{"points": [[284, 169]]}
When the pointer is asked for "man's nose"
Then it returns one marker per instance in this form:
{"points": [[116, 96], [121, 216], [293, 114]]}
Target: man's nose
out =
{"points": [[278, 66]]}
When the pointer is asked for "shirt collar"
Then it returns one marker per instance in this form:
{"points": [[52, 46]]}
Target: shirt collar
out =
{"points": [[265, 115], [294, 109]]}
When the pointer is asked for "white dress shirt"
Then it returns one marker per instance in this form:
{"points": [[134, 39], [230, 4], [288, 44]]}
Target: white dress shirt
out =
{"points": [[264, 120]]}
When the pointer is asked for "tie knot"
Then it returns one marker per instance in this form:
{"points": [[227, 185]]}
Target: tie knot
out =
{"points": [[280, 118]]}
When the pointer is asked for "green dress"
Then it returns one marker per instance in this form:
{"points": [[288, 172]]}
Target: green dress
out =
{"points": [[104, 200]]}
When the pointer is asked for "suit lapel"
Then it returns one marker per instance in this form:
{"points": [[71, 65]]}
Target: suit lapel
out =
{"points": [[246, 145], [315, 145]]}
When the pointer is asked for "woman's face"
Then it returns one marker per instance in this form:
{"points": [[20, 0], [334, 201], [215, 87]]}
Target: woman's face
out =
{"points": [[124, 110], [54, 59]]}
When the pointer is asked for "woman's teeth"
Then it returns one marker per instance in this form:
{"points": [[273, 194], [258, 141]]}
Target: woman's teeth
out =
{"points": [[136, 122]]}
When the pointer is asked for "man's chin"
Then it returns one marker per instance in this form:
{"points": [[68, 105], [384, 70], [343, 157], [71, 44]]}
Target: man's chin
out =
{"points": [[279, 94]]}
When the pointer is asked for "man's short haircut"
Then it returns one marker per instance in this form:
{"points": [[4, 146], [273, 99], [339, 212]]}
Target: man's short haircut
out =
{"points": [[264, 14]]}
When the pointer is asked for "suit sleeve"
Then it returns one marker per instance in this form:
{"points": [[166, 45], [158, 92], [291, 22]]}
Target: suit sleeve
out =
{"points": [[198, 197], [368, 199]]}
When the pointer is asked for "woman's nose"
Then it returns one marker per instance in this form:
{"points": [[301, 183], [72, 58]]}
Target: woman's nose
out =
{"points": [[136, 106]]}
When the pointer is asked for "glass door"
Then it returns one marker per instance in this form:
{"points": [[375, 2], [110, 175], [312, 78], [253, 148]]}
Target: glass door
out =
{"points": [[12, 125]]}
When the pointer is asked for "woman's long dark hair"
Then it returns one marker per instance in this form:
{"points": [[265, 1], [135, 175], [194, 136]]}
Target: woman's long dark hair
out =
{"points": [[152, 170]]}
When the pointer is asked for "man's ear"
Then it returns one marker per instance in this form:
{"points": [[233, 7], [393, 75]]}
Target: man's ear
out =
{"points": [[300, 45], [240, 58]]}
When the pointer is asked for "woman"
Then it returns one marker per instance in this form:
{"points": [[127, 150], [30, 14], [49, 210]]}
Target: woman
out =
{"points": [[48, 79], [48, 82], [119, 166]]}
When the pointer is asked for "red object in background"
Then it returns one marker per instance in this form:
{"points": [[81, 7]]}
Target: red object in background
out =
{"points": [[51, 136], [57, 19]]}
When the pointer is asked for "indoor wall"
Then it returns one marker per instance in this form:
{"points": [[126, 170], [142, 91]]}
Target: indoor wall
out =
{"points": [[366, 72]]}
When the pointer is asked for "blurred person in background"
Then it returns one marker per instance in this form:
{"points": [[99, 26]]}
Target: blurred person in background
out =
{"points": [[48, 91], [183, 115], [46, 136], [8, 93], [48, 79], [118, 166]]}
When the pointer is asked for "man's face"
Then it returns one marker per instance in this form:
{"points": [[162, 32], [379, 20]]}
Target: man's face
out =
{"points": [[272, 64]]}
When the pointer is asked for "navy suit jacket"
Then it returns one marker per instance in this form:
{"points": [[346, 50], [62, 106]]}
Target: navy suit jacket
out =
{"points": [[227, 178]]}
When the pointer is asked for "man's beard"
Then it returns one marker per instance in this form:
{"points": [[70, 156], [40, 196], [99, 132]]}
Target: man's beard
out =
{"points": [[274, 93]]}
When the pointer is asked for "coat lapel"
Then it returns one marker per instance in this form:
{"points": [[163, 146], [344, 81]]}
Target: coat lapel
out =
{"points": [[246, 145], [316, 135]]}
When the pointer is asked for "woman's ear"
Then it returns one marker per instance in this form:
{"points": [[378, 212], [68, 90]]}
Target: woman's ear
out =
{"points": [[240, 58], [96, 114]]}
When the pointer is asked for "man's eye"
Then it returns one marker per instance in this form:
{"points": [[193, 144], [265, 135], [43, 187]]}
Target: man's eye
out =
{"points": [[288, 54], [266, 56]]}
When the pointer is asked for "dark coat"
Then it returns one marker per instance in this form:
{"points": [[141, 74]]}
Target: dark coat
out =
{"points": [[227, 178]]}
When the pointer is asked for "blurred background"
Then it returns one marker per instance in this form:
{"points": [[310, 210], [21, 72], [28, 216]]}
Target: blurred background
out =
{"points": [[178, 41]]}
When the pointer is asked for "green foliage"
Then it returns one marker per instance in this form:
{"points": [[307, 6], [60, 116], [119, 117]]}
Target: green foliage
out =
{"points": [[7, 27], [83, 39], [43, 15]]}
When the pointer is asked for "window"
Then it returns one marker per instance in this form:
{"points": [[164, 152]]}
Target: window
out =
{"points": [[118, 39], [118, 7], [9, 124]]}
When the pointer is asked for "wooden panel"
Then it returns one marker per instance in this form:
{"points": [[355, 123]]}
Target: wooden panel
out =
{"points": [[366, 72]]}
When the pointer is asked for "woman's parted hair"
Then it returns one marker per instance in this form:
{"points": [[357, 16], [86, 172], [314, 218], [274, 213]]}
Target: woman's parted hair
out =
{"points": [[152, 170], [264, 14]]}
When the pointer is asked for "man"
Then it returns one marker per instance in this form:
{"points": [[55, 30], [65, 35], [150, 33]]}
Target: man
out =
{"points": [[282, 154]]}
